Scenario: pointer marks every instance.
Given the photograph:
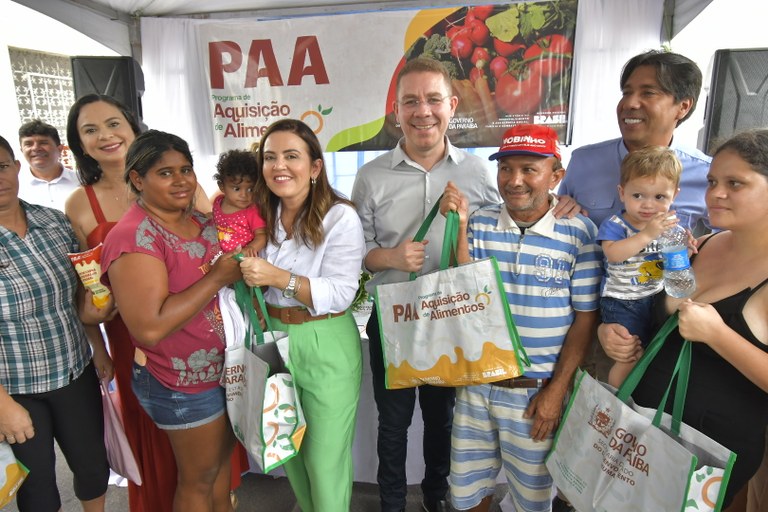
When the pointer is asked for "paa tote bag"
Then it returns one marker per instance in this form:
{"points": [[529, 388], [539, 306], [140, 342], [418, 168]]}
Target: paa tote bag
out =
{"points": [[610, 454], [452, 327], [12, 474], [262, 402], [119, 453]]}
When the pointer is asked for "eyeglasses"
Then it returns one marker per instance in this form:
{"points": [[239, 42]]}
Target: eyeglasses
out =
{"points": [[432, 102]]}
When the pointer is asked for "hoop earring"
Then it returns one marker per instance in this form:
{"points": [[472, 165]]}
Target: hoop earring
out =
{"points": [[314, 181]]}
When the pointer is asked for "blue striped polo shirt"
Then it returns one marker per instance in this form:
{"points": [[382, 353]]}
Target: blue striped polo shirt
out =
{"points": [[551, 271]]}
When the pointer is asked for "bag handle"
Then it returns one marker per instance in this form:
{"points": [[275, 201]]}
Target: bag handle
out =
{"points": [[450, 239], [520, 353], [681, 372], [633, 379], [244, 296], [682, 386], [422, 232], [450, 235]]}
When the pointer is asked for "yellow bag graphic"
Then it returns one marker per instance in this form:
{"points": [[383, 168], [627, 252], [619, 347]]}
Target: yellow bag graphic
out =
{"points": [[12, 475]]}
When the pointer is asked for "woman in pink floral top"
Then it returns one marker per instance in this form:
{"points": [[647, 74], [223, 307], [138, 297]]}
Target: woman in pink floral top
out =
{"points": [[159, 262]]}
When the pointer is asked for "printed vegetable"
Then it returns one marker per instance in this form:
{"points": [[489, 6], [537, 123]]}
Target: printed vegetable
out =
{"points": [[509, 58]]}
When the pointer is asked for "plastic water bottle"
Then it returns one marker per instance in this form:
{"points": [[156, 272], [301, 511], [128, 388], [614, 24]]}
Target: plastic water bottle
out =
{"points": [[679, 280]]}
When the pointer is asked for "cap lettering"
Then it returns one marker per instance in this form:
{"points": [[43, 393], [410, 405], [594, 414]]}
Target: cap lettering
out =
{"points": [[526, 139]]}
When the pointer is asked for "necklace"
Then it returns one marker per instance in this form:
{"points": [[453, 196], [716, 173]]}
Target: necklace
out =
{"points": [[112, 187], [112, 192]]}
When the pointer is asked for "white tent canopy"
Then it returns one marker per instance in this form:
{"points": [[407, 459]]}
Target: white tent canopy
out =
{"points": [[607, 34], [114, 23]]}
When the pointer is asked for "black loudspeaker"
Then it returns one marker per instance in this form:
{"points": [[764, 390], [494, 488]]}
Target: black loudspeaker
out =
{"points": [[738, 95], [119, 77]]}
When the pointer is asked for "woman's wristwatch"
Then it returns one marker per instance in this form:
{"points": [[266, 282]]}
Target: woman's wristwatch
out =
{"points": [[292, 289]]}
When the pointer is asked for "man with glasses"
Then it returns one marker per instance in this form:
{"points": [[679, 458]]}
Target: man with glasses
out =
{"points": [[393, 194]]}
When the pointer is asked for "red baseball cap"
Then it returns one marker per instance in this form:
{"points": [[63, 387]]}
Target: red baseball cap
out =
{"points": [[528, 139]]}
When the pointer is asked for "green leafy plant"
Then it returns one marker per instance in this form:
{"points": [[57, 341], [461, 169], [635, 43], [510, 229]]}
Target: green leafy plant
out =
{"points": [[361, 297]]}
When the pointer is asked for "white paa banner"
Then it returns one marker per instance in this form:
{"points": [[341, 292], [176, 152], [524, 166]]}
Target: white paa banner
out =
{"points": [[337, 73], [324, 71]]}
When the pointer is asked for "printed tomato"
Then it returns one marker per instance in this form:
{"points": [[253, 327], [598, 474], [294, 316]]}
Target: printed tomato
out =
{"points": [[550, 55], [519, 95], [506, 49]]}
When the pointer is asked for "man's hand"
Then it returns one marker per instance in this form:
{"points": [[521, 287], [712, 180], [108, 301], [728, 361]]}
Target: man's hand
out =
{"points": [[618, 343], [567, 207], [545, 409], [454, 200], [409, 256]]}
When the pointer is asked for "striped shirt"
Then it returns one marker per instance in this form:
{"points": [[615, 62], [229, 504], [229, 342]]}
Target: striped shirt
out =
{"points": [[551, 271], [42, 341], [637, 277]]}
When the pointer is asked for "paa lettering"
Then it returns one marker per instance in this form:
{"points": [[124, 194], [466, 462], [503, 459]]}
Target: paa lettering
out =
{"points": [[306, 49], [405, 312]]}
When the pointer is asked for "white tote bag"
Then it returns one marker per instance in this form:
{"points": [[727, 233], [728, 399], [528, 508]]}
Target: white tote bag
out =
{"points": [[609, 454], [262, 403], [12, 474], [452, 327]]}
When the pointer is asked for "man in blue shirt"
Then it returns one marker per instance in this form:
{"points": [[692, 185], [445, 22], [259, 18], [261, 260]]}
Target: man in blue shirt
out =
{"points": [[658, 92]]}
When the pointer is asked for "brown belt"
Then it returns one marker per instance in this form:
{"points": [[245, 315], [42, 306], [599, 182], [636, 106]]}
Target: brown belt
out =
{"points": [[297, 315], [521, 382]]}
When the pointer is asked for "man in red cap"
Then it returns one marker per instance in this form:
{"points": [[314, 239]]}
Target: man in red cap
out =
{"points": [[552, 269]]}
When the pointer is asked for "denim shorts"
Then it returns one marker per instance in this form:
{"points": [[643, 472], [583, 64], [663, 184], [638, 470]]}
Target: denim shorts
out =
{"points": [[174, 410], [634, 314]]}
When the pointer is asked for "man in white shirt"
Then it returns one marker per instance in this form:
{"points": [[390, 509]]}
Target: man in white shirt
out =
{"points": [[47, 182], [393, 193]]}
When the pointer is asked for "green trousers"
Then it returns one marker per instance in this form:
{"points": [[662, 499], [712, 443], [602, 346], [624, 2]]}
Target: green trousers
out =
{"points": [[326, 364]]}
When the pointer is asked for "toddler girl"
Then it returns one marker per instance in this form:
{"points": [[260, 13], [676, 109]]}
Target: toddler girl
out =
{"points": [[237, 217]]}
